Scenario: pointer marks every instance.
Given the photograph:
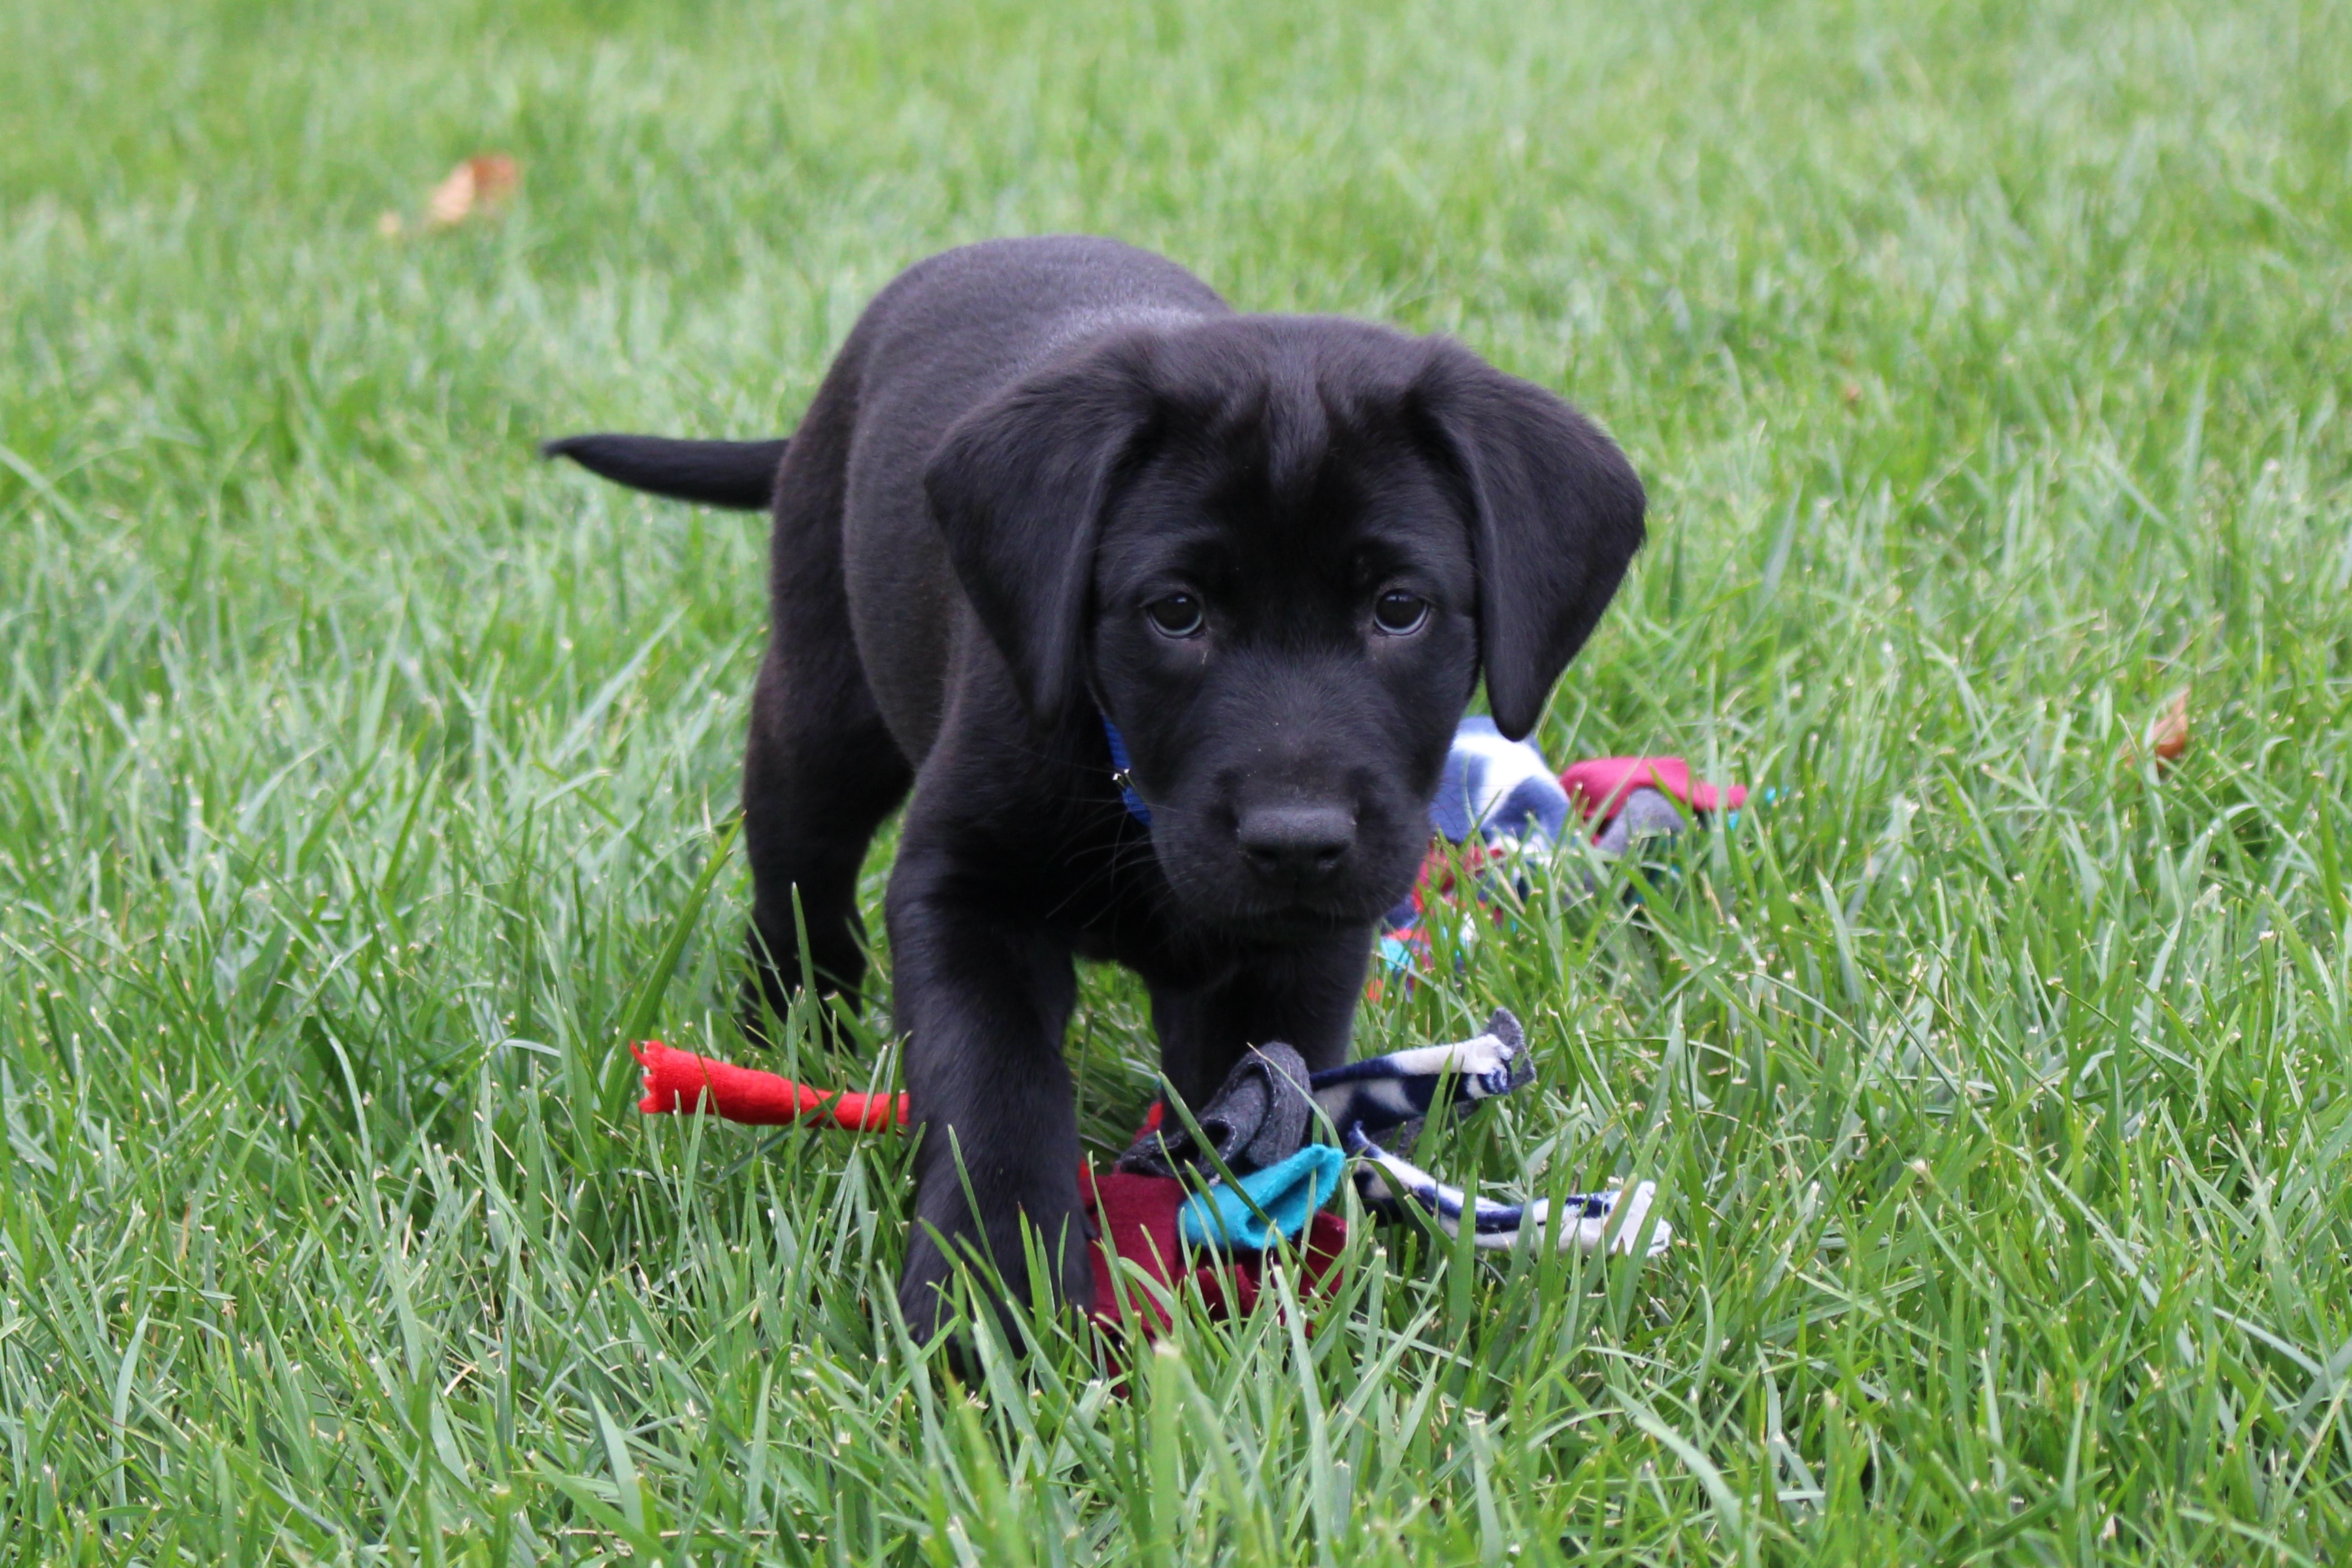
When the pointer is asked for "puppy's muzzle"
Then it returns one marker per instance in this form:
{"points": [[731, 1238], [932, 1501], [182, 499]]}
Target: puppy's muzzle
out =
{"points": [[1294, 848]]}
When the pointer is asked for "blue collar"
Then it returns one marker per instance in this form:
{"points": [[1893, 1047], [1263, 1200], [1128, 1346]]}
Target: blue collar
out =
{"points": [[1123, 774]]}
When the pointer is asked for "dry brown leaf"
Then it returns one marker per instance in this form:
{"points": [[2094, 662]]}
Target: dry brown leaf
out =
{"points": [[2167, 734], [2168, 738], [481, 184]]}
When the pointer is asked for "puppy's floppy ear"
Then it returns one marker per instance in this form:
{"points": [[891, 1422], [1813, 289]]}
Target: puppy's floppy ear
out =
{"points": [[1019, 486], [1556, 514]]}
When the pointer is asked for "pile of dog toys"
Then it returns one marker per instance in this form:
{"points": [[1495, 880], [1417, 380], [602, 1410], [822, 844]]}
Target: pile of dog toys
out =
{"points": [[1499, 804], [1248, 1175], [1207, 1200]]}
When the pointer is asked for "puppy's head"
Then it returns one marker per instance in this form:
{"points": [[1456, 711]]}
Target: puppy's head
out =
{"points": [[1278, 552]]}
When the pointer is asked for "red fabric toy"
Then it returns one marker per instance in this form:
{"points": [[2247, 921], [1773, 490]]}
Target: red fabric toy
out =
{"points": [[1135, 1213], [1600, 785], [679, 1081]]}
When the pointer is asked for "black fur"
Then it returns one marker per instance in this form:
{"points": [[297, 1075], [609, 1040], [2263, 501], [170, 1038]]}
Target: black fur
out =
{"points": [[738, 475], [1022, 447]]}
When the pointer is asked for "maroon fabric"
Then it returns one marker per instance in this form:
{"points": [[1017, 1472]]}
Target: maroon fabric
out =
{"points": [[1135, 1217]]}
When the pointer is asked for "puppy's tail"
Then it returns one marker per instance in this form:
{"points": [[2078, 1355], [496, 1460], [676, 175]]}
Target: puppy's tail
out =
{"points": [[741, 475]]}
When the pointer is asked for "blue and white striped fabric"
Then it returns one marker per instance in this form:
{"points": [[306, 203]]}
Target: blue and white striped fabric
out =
{"points": [[1372, 1096], [1501, 789], [1390, 1187], [1386, 1091]]}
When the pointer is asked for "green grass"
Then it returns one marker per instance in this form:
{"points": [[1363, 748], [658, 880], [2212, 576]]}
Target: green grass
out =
{"points": [[1987, 364]]}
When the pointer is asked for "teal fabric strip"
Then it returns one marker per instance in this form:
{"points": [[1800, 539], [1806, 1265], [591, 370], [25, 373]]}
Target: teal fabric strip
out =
{"points": [[1287, 1193]]}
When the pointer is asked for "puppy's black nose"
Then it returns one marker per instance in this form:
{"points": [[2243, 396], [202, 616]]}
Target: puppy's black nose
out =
{"points": [[1296, 843]]}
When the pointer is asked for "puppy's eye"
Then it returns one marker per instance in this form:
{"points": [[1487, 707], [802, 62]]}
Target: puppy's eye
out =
{"points": [[1399, 613], [1178, 615]]}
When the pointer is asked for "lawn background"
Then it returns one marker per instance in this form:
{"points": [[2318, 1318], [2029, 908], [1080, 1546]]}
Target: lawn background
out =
{"points": [[360, 776]]}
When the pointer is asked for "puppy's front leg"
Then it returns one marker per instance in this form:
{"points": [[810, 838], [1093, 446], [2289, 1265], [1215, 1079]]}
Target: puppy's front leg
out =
{"points": [[1303, 995], [984, 1002]]}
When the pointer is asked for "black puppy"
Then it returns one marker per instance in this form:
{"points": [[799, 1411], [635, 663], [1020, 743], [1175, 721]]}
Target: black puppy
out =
{"points": [[1054, 492]]}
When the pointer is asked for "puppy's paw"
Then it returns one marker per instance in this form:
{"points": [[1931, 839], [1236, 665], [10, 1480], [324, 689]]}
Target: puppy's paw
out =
{"points": [[942, 1290]]}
